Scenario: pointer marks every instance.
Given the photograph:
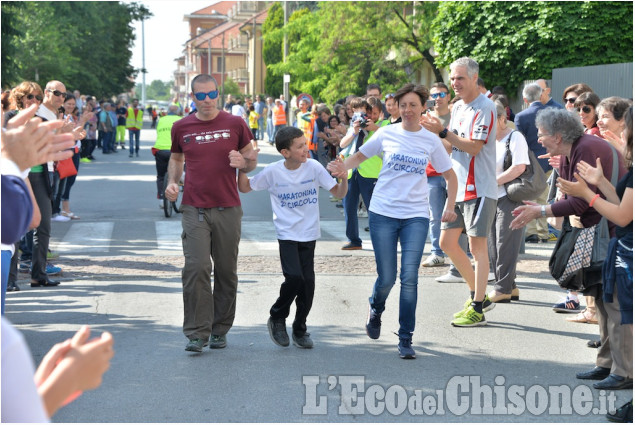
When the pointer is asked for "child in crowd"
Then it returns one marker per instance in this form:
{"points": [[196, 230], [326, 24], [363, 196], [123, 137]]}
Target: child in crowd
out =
{"points": [[293, 185], [253, 124]]}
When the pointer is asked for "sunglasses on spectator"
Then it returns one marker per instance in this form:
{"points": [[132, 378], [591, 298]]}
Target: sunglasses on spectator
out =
{"points": [[586, 109], [441, 95], [57, 92], [201, 96], [570, 100], [389, 95], [30, 96]]}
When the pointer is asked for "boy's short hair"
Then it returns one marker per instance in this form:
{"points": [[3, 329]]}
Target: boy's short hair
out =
{"points": [[286, 136], [323, 109], [359, 102], [374, 102]]}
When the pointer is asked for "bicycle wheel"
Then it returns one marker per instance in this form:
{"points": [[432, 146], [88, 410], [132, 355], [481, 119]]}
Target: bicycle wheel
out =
{"points": [[168, 206]]}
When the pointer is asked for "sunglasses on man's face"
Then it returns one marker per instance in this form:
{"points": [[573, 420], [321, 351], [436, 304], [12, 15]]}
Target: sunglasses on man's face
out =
{"points": [[201, 96], [57, 92], [30, 96], [586, 109], [441, 95], [570, 100]]}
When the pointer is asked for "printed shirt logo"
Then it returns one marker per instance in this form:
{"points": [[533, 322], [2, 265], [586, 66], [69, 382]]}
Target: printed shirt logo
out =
{"points": [[207, 137]]}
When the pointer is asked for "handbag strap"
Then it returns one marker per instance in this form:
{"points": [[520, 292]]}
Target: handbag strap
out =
{"points": [[508, 152], [616, 166]]}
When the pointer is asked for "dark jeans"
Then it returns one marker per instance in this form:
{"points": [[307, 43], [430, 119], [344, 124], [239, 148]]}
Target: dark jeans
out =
{"points": [[134, 134], [26, 246], [59, 186], [42, 233], [162, 158], [299, 283], [70, 181], [108, 142], [88, 146], [357, 185]]}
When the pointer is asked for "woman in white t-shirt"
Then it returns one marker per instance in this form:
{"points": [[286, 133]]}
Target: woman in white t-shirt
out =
{"points": [[504, 243], [399, 209]]}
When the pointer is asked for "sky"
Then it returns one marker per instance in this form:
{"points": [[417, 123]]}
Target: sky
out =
{"points": [[165, 34]]}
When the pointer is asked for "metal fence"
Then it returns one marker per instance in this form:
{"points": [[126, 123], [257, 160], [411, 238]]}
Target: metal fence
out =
{"points": [[605, 80]]}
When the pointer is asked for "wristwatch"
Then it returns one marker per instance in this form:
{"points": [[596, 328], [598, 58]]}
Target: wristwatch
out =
{"points": [[443, 133], [543, 211]]}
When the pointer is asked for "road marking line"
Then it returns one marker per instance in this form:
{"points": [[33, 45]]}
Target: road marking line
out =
{"points": [[87, 237], [169, 235]]}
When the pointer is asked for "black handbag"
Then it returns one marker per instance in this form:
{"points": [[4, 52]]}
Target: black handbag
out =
{"points": [[531, 183], [576, 260]]}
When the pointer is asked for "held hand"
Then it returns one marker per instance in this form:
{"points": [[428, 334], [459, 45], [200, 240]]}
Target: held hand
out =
{"points": [[79, 133], [524, 214], [236, 160], [448, 216], [371, 126], [590, 174], [577, 188], [172, 192], [337, 168]]}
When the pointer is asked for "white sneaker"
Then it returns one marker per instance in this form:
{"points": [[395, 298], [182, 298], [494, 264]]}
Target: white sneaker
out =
{"points": [[491, 277], [362, 213], [450, 278], [434, 260], [160, 204], [60, 217]]}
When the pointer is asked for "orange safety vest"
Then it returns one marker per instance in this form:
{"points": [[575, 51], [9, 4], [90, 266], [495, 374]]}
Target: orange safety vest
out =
{"points": [[309, 135], [280, 117]]}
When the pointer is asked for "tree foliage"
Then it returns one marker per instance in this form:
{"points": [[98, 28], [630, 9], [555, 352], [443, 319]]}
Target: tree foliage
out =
{"points": [[157, 90], [272, 48], [517, 41], [86, 45], [231, 87]]}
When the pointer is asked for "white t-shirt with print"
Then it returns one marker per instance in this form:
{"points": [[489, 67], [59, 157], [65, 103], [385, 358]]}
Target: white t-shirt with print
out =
{"points": [[520, 155], [475, 121], [401, 190], [294, 197]]}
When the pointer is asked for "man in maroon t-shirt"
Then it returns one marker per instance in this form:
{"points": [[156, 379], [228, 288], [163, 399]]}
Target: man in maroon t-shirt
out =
{"points": [[214, 144]]}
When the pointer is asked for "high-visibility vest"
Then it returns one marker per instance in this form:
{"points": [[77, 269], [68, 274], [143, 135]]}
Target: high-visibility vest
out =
{"points": [[132, 121], [309, 135], [279, 116], [164, 132]]}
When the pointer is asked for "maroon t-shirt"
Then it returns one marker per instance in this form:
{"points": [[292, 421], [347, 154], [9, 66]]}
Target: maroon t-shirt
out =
{"points": [[210, 182]]}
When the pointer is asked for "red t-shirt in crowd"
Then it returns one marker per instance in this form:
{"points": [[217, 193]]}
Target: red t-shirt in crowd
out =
{"points": [[210, 182]]}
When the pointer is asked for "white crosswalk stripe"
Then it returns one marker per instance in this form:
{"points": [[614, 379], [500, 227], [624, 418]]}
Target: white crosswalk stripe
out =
{"points": [[97, 237], [86, 238]]}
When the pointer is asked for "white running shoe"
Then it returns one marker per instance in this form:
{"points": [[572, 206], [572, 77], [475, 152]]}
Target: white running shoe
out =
{"points": [[433, 261], [450, 278], [60, 217]]}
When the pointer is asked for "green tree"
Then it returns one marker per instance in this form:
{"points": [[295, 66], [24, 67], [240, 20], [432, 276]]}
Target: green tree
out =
{"points": [[10, 31], [516, 41], [86, 45], [272, 48], [157, 90], [230, 87]]}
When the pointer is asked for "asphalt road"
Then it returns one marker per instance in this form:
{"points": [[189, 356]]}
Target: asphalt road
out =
{"points": [[517, 361]]}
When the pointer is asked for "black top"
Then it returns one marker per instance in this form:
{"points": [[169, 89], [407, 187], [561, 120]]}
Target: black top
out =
{"points": [[626, 181], [121, 111]]}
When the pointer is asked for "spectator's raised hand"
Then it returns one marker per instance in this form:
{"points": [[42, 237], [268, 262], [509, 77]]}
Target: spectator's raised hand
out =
{"points": [[589, 174]]}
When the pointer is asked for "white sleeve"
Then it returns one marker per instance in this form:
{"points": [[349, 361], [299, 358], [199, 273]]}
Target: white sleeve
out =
{"points": [[374, 145], [323, 177], [518, 147], [440, 159], [261, 180], [20, 400]]}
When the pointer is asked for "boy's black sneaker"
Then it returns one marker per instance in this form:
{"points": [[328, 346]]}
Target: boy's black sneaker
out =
{"points": [[278, 331], [302, 341], [373, 324], [405, 348]]}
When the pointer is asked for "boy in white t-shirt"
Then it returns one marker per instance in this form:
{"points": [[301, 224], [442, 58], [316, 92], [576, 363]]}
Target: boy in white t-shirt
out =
{"points": [[293, 185]]}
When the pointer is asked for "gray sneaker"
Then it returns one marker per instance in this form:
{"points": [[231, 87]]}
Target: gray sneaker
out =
{"points": [[196, 345], [303, 341], [278, 332], [217, 341]]}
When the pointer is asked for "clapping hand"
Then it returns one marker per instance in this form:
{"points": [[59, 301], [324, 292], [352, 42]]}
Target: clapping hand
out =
{"points": [[577, 188], [337, 168], [590, 174]]}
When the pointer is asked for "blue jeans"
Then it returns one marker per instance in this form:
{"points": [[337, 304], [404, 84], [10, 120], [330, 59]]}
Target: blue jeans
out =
{"points": [[357, 185], [108, 142], [261, 129], [6, 262], [134, 134], [270, 129], [438, 195], [411, 233]]}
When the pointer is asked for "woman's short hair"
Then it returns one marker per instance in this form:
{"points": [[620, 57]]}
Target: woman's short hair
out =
{"points": [[577, 88], [418, 89], [21, 90], [374, 102], [617, 106], [500, 109], [335, 117], [560, 121], [587, 98]]}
